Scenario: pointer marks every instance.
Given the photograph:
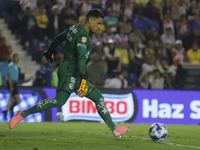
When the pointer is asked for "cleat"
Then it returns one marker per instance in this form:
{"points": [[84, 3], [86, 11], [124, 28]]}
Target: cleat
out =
{"points": [[120, 131], [16, 119]]}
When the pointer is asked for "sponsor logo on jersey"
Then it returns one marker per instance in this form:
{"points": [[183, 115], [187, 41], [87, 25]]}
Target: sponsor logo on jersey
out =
{"points": [[84, 39], [71, 86], [82, 45]]}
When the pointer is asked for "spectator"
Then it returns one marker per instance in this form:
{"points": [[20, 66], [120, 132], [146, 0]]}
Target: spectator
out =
{"points": [[109, 35], [95, 70], [193, 54], [167, 22], [12, 85], [98, 49], [4, 70], [128, 9], [153, 13], [143, 22], [155, 37], [55, 25], [96, 37], [165, 71], [193, 10], [188, 40], [116, 7], [42, 22], [126, 24], [28, 3], [144, 80], [135, 62], [27, 26], [122, 37], [166, 8], [5, 49], [178, 51], [148, 65], [182, 27], [69, 18], [179, 8], [150, 50], [111, 59], [86, 6], [157, 81], [113, 82], [168, 39], [39, 79], [111, 21], [124, 78], [137, 36], [122, 53], [173, 68], [54, 76], [47, 70]]}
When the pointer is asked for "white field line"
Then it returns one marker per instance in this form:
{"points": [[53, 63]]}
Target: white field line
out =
{"points": [[136, 137]]}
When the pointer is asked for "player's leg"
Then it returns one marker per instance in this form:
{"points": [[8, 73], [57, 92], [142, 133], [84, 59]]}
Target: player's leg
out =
{"points": [[62, 94]]}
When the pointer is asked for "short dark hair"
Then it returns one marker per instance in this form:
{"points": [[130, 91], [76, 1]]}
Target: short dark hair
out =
{"points": [[94, 13], [15, 54]]}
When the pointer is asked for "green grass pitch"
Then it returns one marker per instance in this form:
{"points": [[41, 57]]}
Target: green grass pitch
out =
{"points": [[93, 136]]}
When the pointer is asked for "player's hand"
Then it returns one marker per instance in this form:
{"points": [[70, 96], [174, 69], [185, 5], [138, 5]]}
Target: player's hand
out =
{"points": [[82, 89], [49, 56]]}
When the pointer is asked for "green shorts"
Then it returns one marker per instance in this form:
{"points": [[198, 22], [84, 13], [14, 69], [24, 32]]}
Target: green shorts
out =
{"points": [[70, 84]]}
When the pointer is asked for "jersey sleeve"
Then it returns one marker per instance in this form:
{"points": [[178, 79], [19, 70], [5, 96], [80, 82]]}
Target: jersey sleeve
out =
{"points": [[57, 40], [81, 47]]}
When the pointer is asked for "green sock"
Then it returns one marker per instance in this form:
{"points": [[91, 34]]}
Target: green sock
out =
{"points": [[58, 101], [97, 97]]}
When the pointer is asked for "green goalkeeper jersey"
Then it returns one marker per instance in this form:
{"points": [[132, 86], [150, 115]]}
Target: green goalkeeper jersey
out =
{"points": [[78, 46]]}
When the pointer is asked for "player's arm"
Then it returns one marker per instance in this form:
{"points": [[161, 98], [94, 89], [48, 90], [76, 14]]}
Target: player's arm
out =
{"points": [[82, 58], [10, 78], [49, 54]]}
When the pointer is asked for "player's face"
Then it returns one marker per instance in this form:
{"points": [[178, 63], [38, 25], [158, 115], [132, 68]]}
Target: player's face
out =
{"points": [[96, 24]]}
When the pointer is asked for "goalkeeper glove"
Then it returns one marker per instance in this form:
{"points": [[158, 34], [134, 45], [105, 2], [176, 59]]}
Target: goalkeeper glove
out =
{"points": [[49, 56], [83, 87]]}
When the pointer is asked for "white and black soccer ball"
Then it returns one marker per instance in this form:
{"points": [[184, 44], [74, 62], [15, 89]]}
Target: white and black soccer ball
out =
{"points": [[59, 116], [158, 132]]}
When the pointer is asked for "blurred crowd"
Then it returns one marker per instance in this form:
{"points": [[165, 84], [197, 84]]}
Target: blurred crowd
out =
{"points": [[140, 43]]}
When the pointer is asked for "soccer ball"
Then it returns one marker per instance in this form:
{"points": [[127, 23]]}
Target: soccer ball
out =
{"points": [[59, 116], [158, 132]]}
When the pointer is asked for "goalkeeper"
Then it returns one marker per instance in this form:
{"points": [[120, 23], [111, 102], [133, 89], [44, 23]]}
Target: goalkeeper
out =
{"points": [[71, 73]]}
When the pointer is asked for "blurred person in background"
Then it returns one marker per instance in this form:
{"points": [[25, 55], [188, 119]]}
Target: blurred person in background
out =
{"points": [[42, 23], [179, 7], [168, 39], [127, 9], [111, 21], [115, 5], [153, 13], [124, 78], [39, 79], [157, 82], [55, 25], [122, 37], [144, 81], [167, 22], [122, 53], [178, 51], [135, 63], [148, 65], [166, 8], [173, 68], [47, 70], [12, 85], [27, 26], [193, 10], [165, 72], [32, 4], [108, 34], [4, 70], [126, 24], [112, 60], [193, 54], [54, 76], [113, 81], [137, 36], [95, 70], [69, 18], [5, 49], [150, 51], [182, 27], [188, 40], [143, 22]]}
